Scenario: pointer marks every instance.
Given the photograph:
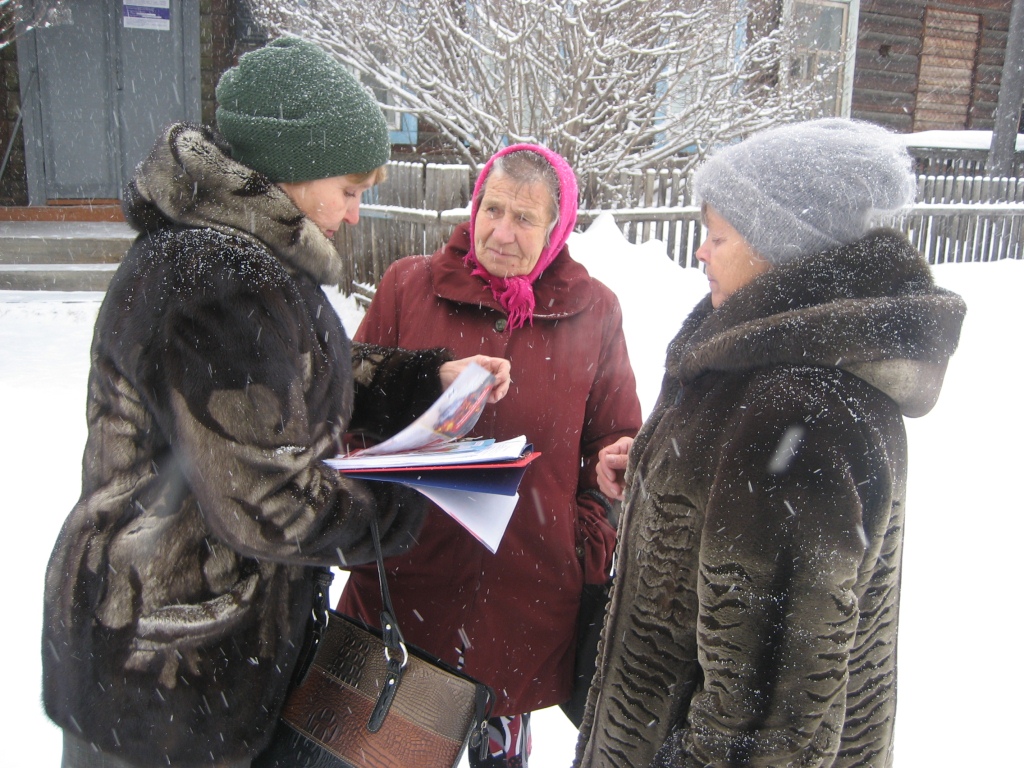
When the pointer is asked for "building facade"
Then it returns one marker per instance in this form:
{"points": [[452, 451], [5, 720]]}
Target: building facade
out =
{"points": [[83, 94]]}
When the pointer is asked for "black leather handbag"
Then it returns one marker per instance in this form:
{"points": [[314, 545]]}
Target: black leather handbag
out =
{"points": [[369, 699]]}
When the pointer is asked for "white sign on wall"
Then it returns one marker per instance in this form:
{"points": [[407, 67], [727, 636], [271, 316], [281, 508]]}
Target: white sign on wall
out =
{"points": [[147, 14]]}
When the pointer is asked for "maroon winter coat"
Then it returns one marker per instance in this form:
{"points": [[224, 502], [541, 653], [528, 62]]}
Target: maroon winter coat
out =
{"points": [[572, 393]]}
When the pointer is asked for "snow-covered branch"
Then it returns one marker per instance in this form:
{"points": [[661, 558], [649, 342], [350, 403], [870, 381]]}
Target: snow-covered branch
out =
{"points": [[18, 17], [610, 84]]}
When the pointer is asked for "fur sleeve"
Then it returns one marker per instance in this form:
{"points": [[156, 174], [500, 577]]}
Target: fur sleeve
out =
{"points": [[242, 389]]}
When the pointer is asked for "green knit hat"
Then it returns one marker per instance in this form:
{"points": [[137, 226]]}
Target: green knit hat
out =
{"points": [[294, 113]]}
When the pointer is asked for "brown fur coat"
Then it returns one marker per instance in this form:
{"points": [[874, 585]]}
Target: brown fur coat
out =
{"points": [[178, 593], [754, 615]]}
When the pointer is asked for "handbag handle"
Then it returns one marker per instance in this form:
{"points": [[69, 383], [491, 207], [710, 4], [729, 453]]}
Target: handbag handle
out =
{"points": [[317, 624], [394, 646], [394, 642], [396, 655]]}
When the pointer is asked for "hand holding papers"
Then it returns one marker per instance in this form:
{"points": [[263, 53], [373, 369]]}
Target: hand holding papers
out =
{"points": [[473, 480], [451, 416]]}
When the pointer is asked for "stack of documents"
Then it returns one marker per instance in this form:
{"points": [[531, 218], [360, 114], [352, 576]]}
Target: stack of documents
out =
{"points": [[474, 480]]}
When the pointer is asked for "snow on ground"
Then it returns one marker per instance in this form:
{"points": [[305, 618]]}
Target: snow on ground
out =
{"points": [[960, 687], [955, 140]]}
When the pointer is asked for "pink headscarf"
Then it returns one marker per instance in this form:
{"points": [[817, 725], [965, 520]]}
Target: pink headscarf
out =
{"points": [[515, 294]]}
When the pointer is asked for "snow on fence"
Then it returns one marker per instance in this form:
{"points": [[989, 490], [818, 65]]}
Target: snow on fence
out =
{"points": [[955, 218]]}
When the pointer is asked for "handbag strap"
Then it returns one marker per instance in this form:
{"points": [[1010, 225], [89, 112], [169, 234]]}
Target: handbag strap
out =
{"points": [[322, 579], [396, 655], [394, 642], [395, 649]]}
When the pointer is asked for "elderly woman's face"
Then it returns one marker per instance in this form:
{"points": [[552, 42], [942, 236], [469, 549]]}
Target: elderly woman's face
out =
{"points": [[329, 202], [729, 260], [511, 227]]}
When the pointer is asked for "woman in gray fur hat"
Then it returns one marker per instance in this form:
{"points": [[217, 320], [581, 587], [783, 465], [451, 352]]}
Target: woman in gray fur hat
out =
{"points": [[179, 591], [754, 613]]}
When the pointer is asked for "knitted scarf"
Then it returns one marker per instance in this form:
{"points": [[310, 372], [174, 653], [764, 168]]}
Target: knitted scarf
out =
{"points": [[515, 294]]}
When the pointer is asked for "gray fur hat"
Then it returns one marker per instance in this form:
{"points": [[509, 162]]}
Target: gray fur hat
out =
{"points": [[799, 189]]}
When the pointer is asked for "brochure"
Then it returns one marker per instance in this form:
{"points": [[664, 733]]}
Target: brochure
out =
{"points": [[454, 453], [500, 477], [472, 479], [451, 416]]}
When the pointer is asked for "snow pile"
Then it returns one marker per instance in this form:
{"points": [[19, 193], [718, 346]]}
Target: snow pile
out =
{"points": [[977, 140], [655, 294]]}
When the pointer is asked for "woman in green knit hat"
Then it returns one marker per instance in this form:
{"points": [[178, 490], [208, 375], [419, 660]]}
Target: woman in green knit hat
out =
{"points": [[297, 116], [178, 594]]}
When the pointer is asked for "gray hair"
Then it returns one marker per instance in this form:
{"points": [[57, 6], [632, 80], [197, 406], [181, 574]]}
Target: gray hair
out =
{"points": [[526, 167]]}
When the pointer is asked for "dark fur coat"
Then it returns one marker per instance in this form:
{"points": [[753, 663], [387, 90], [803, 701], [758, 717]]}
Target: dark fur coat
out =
{"points": [[754, 614], [178, 592]]}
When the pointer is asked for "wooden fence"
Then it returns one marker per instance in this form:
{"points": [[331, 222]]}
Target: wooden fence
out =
{"points": [[934, 161], [395, 220], [955, 218]]}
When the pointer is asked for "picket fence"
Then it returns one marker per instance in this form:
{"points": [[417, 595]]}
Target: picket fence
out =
{"points": [[936, 161], [955, 218]]}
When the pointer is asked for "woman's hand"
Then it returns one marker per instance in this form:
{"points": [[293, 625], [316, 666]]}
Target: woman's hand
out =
{"points": [[500, 368], [611, 467]]}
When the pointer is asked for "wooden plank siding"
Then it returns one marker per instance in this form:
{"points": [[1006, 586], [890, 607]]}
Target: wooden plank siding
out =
{"points": [[889, 38], [946, 77], [902, 84]]}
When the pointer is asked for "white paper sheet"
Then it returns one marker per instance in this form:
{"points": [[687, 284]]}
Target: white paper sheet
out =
{"points": [[485, 515]]}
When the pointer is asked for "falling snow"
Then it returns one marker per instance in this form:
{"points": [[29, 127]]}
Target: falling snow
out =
{"points": [[962, 520]]}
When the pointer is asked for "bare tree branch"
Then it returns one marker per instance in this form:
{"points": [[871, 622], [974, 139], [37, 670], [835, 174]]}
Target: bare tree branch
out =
{"points": [[20, 16], [613, 85]]}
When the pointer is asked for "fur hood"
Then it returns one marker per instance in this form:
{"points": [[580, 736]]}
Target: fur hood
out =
{"points": [[870, 308], [190, 180]]}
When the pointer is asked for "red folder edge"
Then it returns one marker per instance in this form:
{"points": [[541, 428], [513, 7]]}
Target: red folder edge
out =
{"points": [[522, 461]]}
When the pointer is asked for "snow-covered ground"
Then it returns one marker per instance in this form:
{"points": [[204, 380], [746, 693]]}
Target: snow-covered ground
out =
{"points": [[960, 683]]}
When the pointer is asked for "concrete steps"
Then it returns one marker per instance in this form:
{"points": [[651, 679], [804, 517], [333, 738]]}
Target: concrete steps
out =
{"points": [[60, 255]]}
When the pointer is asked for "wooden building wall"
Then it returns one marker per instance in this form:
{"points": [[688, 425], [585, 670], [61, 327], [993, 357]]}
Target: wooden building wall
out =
{"points": [[226, 31], [219, 50], [13, 186], [923, 65], [216, 48]]}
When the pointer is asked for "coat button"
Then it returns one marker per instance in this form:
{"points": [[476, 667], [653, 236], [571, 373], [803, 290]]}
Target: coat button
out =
{"points": [[580, 552], [500, 324]]}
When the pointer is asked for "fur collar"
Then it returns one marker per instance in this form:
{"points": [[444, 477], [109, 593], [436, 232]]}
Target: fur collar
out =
{"points": [[870, 308], [190, 180]]}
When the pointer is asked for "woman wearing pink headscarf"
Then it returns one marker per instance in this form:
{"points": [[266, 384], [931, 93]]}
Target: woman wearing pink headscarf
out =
{"points": [[505, 285]]}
